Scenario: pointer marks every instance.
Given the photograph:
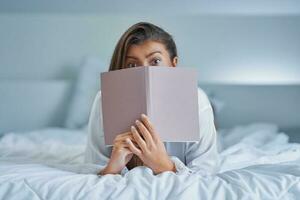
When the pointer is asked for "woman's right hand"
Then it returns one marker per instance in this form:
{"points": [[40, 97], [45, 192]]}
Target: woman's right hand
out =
{"points": [[120, 155]]}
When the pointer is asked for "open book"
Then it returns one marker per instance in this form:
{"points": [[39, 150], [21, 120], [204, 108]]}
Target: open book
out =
{"points": [[167, 95]]}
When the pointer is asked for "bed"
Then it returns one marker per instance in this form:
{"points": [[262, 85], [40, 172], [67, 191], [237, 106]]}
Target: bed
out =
{"points": [[258, 161]]}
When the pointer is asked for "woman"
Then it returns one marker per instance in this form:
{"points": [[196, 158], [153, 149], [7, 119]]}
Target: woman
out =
{"points": [[145, 44]]}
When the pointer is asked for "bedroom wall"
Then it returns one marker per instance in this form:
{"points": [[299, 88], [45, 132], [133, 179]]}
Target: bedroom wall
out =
{"points": [[229, 48]]}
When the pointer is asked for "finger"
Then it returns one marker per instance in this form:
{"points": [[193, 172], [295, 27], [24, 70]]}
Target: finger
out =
{"points": [[133, 141], [149, 126], [122, 135], [146, 134], [133, 148], [123, 146], [138, 139], [147, 122], [124, 142]]}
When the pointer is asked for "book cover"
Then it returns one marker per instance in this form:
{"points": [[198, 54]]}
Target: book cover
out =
{"points": [[167, 95]]}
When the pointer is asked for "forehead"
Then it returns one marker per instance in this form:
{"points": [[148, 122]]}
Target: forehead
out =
{"points": [[146, 48]]}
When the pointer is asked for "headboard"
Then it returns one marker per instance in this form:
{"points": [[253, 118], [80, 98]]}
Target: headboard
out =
{"points": [[243, 104], [26, 105]]}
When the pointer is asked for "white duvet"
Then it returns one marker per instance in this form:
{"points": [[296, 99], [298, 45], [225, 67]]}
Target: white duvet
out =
{"points": [[257, 163]]}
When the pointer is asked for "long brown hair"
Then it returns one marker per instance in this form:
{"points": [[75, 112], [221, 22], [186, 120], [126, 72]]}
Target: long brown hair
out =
{"points": [[137, 34]]}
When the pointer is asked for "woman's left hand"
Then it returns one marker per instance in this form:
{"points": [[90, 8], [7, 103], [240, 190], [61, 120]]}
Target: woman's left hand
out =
{"points": [[151, 150]]}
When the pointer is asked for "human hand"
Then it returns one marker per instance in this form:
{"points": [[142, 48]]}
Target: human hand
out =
{"points": [[120, 156], [150, 149]]}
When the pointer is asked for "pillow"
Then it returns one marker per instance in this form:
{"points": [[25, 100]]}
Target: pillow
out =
{"points": [[86, 88]]}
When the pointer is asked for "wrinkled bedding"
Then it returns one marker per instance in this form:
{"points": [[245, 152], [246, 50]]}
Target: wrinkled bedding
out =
{"points": [[257, 162]]}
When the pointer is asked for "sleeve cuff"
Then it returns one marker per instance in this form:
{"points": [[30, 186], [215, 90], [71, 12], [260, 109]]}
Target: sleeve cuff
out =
{"points": [[181, 168], [123, 171]]}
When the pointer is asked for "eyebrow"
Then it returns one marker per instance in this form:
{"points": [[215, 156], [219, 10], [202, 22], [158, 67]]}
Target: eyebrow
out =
{"points": [[150, 54]]}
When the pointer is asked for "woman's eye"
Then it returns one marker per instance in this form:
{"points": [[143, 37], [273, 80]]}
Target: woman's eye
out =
{"points": [[131, 65], [155, 61]]}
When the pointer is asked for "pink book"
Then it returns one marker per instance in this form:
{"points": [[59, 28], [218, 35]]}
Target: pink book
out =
{"points": [[167, 95]]}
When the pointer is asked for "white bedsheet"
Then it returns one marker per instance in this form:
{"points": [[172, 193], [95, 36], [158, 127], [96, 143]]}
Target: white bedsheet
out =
{"points": [[257, 163]]}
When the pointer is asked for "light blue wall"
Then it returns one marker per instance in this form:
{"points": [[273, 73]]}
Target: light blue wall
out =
{"points": [[229, 48]]}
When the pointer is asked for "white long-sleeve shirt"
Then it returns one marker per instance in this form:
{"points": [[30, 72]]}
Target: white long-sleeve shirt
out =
{"points": [[189, 157]]}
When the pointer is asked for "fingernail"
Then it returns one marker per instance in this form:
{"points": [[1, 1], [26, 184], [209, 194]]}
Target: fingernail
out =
{"points": [[137, 121], [132, 127], [143, 115]]}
